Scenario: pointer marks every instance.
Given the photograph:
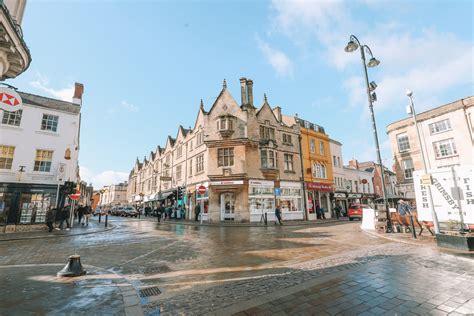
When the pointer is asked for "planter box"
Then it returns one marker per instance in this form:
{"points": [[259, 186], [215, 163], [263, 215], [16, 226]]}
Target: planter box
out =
{"points": [[456, 242]]}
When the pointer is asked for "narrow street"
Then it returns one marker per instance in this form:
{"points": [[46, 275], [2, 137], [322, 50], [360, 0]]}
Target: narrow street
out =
{"points": [[323, 268]]}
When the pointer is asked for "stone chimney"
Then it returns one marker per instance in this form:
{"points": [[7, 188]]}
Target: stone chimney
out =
{"points": [[250, 92], [277, 112], [354, 164], [243, 90], [78, 91]]}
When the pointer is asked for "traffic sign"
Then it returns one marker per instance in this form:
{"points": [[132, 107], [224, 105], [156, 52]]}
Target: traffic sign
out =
{"points": [[202, 190], [10, 100]]}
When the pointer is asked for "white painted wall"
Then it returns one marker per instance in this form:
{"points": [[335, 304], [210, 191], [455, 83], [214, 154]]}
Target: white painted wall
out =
{"points": [[28, 137]]}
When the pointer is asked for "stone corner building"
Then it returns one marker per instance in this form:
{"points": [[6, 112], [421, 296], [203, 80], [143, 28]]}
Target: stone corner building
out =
{"points": [[246, 157]]}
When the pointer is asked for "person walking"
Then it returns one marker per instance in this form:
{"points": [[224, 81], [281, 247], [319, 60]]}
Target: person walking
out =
{"points": [[65, 214], [318, 211], [50, 216], [197, 211], [87, 215], [278, 214], [80, 214]]}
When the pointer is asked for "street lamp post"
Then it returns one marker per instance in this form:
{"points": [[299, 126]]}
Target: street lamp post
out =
{"points": [[353, 45], [425, 168]]}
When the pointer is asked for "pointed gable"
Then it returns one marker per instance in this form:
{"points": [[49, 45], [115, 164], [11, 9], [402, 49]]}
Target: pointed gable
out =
{"points": [[265, 113]]}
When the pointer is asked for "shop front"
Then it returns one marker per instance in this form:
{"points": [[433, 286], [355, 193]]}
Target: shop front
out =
{"points": [[318, 195], [227, 201], [202, 200], [340, 199], [24, 206], [290, 200], [261, 199], [354, 198]]}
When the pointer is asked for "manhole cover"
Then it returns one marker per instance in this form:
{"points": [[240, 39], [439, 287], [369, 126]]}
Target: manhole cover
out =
{"points": [[150, 291]]}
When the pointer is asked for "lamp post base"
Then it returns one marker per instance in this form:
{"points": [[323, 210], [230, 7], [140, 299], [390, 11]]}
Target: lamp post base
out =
{"points": [[73, 268]]}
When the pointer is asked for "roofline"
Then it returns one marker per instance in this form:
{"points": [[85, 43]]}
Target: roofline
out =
{"points": [[57, 100]]}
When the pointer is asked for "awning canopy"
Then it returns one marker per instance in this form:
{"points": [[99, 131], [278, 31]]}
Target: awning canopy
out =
{"points": [[163, 195]]}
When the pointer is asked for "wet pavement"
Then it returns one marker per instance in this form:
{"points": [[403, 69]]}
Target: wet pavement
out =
{"points": [[227, 270]]}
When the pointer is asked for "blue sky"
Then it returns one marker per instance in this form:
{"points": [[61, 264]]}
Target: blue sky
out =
{"points": [[146, 64]]}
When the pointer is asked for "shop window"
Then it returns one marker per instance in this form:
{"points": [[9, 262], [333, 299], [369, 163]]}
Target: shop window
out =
{"points": [[34, 207], [6, 156], [225, 157], [288, 162], [49, 122], [268, 158], [43, 160], [12, 118]]}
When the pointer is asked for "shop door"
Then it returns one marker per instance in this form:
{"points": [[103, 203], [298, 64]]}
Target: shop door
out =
{"points": [[227, 206]]}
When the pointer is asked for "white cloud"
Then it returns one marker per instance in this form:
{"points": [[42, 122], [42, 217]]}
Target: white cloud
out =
{"points": [[428, 62], [42, 83], [277, 59], [129, 107], [103, 178]]}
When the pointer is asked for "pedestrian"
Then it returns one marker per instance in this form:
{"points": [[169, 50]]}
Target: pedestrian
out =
{"points": [[318, 211], [197, 211], [323, 211], [87, 215], [65, 214], [337, 211], [80, 214], [278, 214], [50, 216], [403, 208]]}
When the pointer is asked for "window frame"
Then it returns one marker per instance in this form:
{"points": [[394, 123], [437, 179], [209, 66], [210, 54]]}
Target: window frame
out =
{"points": [[433, 126], [312, 145], [408, 172], [288, 162], [5, 159], [321, 148], [43, 165], [225, 157], [405, 134], [438, 150], [268, 158], [50, 123], [12, 118]]}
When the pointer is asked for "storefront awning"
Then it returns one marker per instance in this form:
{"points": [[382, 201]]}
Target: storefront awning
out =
{"points": [[163, 195]]}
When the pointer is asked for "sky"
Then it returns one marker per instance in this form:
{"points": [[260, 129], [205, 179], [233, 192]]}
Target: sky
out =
{"points": [[145, 66]]}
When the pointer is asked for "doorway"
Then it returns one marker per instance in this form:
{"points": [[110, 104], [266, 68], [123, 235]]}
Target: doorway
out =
{"points": [[227, 206]]}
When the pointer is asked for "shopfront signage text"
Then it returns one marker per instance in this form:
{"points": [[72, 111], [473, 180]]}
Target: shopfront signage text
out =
{"points": [[227, 182], [319, 186]]}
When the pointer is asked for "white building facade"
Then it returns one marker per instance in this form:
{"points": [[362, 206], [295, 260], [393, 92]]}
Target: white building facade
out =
{"points": [[113, 195], [39, 149]]}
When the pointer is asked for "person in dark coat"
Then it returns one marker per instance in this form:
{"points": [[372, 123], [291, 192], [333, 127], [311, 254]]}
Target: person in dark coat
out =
{"points": [[66, 213], [278, 215], [50, 216], [80, 214], [197, 211]]}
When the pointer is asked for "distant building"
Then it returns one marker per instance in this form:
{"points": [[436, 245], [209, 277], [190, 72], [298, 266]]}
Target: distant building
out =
{"points": [[95, 200], [447, 137], [39, 149], [113, 195]]}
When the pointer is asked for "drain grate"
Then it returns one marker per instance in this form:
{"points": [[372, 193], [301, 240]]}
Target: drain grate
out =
{"points": [[150, 291]]}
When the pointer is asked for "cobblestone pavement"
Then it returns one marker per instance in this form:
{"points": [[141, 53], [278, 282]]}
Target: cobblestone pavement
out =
{"points": [[227, 270]]}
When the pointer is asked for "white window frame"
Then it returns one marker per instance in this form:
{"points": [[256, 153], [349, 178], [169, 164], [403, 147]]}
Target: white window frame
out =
{"points": [[312, 145], [6, 158], [12, 118], [403, 135], [50, 121], [43, 165], [321, 148], [408, 170], [225, 157], [288, 162], [440, 126], [447, 144]]}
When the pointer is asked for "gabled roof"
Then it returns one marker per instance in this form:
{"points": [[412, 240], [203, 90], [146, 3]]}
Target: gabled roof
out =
{"points": [[268, 107], [49, 103]]}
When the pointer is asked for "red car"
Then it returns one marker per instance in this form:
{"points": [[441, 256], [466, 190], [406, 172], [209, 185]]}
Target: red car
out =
{"points": [[355, 211]]}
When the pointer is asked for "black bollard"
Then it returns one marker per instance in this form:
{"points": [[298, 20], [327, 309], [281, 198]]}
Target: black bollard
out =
{"points": [[413, 231], [266, 221], [100, 215], [73, 268], [106, 218]]}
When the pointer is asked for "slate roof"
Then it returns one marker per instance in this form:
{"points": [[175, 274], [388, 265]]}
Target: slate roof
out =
{"points": [[49, 103]]}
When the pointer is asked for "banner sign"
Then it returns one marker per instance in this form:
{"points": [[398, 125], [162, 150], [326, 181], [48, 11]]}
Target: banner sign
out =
{"points": [[318, 186]]}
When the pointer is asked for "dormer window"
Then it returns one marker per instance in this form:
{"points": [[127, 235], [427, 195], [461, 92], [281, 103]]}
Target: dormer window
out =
{"points": [[225, 126]]}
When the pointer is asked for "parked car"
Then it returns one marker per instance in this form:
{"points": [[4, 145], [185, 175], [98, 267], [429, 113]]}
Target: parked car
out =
{"points": [[117, 211], [355, 211], [130, 212]]}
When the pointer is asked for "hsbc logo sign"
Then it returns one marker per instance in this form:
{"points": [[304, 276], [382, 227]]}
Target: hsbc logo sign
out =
{"points": [[10, 100]]}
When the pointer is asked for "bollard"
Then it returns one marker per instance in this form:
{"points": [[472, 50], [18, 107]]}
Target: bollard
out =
{"points": [[413, 231], [73, 268], [100, 215], [106, 218], [266, 221], [139, 213]]}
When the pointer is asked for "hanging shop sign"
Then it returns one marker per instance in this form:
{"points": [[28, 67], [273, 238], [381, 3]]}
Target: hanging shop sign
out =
{"points": [[339, 195], [10, 100], [355, 195]]}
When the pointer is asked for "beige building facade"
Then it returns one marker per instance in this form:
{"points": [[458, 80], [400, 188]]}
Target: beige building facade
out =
{"points": [[447, 138], [245, 158]]}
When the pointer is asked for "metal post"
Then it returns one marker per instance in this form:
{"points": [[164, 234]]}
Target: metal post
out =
{"points": [[106, 219], [305, 201], [57, 194], [457, 197], [413, 231], [266, 219], [202, 209], [100, 214], [376, 138], [425, 168], [71, 215]]}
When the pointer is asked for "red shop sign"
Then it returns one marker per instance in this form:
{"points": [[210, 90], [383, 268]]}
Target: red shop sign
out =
{"points": [[319, 186]]}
